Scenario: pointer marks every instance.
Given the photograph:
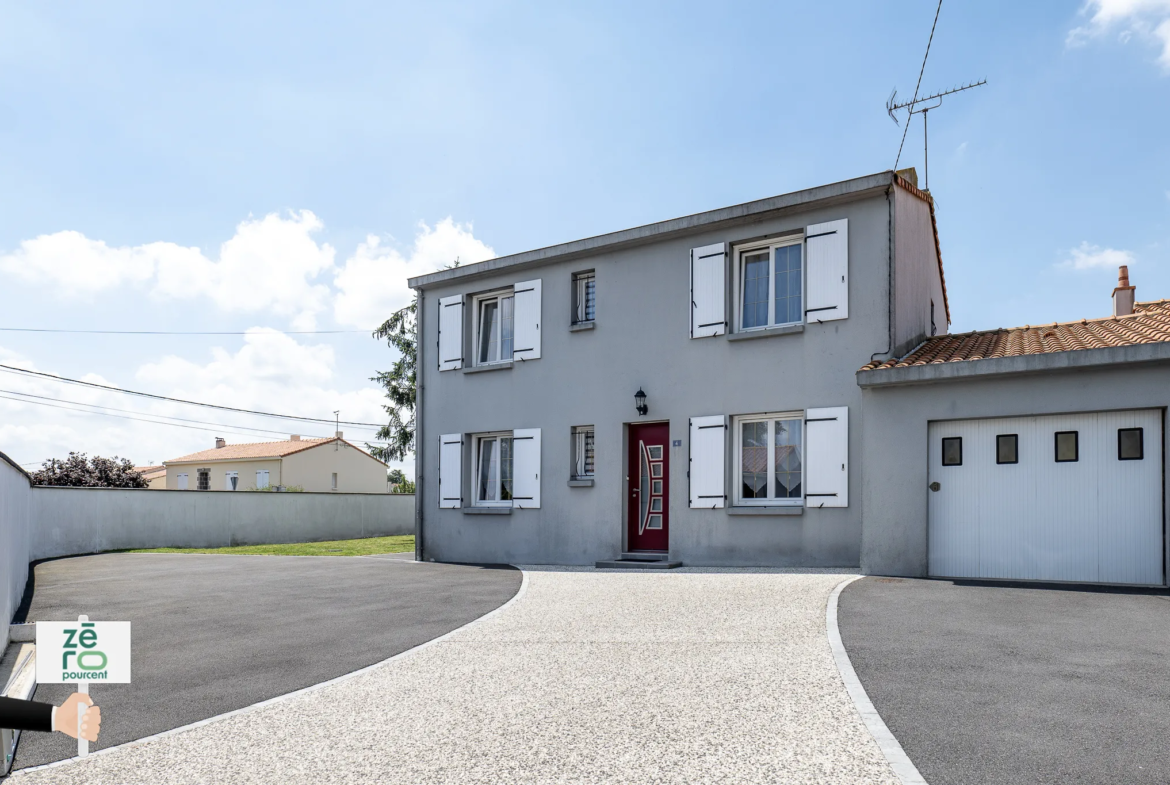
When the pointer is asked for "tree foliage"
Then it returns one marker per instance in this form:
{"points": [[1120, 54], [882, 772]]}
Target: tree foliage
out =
{"points": [[399, 381], [97, 472]]}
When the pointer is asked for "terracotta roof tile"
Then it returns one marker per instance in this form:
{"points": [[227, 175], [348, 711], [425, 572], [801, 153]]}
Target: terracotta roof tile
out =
{"points": [[1149, 323], [255, 450], [151, 471]]}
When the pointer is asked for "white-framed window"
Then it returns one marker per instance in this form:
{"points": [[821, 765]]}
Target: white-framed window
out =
{"points": [[203, 479], [584, 297], [231, 481], [583, 452], [494, 327], [770, 284], [182, 481], [769, 459], [333, 482], [493, 467], [262, 479]]}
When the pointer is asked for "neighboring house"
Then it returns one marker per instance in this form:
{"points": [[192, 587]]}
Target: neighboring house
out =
{"points": [[740, 330], [155, 476], [316, 465]]}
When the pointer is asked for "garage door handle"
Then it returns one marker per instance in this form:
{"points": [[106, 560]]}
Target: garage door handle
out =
{"points": [[934, 486]]}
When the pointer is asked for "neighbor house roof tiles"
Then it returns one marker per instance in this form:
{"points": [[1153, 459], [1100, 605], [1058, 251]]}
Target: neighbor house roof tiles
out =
{"points": [[1149, 323], [150, 471], [236, 452]]}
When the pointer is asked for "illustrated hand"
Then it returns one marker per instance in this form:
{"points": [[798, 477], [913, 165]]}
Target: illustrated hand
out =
{"points": [[65, 718]]}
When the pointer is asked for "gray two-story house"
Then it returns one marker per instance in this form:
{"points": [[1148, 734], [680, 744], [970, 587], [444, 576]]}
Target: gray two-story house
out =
{"points": [[681, 391]]}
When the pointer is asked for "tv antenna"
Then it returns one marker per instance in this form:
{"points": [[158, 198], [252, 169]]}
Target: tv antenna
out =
{"points": [[918, 106]]}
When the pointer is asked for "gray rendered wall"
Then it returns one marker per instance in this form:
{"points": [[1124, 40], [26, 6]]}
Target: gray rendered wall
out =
{"points": [[917, 280], [87, 520], [894, 539], [15, 491], [642, 339]]}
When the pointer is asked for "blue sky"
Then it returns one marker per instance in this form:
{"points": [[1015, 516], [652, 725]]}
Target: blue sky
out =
{"points": [[328, 145]]}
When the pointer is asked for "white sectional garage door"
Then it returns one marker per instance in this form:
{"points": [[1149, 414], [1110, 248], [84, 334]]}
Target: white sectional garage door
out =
{"points": [[1094, 516]]}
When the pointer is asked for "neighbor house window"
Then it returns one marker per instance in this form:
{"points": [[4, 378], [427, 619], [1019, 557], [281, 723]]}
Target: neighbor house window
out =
{"points": [[769, 459], [203, 479], [494, 325], [333, 482], [952, 451], [583, 452], [771, 288], [231, 480], [493, 470], [182, 480], [1129, 444], [584, 297], [262, 479], [1007, 448], [1067, 447]]}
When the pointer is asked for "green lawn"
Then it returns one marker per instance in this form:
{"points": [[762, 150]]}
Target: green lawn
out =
{"points": [[363, 547]]}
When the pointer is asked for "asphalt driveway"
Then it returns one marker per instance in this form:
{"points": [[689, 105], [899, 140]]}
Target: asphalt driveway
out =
{"points": [[986, 683], [216, 633]]}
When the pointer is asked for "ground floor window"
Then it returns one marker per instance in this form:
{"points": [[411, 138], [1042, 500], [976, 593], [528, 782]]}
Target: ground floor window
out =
{"points": [[583, 452], [769, 459], [231, 481], [262, 479], [493, 469], [203, 480], [182, 478]]}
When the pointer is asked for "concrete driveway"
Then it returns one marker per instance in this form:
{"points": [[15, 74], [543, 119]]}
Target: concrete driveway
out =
{"points": [[685, 676], [212, 634], [987, 683]]}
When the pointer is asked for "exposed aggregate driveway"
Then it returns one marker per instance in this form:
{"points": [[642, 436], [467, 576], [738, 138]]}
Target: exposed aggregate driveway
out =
{"points": [[215, 633], [686, 676], [988, 684]]}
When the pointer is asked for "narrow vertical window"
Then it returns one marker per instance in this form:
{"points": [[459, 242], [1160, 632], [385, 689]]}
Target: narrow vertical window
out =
{"points": [[583, 452], [493, 475], [333, 484], [1067, 447], [952, 451], [584, 297]]}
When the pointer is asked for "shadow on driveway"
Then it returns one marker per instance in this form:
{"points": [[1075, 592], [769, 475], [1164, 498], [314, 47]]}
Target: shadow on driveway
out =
{"points": [[216, 633], [985, 683]]}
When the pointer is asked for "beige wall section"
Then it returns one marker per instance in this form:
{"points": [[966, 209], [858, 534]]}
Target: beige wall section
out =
{"points": [[157, 483], [917, 282], [357, 472], [219, 470]]}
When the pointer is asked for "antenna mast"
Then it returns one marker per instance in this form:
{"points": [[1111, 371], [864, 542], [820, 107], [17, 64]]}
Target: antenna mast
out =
{"points": [[912, 108]]}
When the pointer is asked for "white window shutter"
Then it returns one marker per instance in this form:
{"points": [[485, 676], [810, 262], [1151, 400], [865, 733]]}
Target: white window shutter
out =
{"points": [[708, 459], [827, 247], [526, 468], [182, 480], [826, 460], [708, 290], [451, 471], [451, 333], [526, 341]]}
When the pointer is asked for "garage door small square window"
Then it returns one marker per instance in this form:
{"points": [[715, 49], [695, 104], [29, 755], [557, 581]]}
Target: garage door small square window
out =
{"points": [[1007, 448], [1067, 449], [1129, 444], [952, 451]]}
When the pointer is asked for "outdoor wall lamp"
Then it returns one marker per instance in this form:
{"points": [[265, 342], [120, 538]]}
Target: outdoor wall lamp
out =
{"points": [[640, 402]]}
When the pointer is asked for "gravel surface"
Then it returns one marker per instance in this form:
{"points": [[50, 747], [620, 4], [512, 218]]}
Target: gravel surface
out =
{"points": [[685, 676]]}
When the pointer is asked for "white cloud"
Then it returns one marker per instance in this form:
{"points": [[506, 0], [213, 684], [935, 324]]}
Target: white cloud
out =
{"points": [[1094, 257], [1147, 19], [372, 284], [268, 265]]}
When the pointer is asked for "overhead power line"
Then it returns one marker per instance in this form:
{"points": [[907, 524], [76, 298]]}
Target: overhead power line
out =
{"points": [[177, 332], [67, 380]]}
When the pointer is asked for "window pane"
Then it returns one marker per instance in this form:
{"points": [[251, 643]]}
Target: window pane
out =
{"points": [[788, 288], [506, 468], [754, 460], [1129, 444], [1066, 447], [755, 289], [1007, 448], [788, 458], [506, 327], [488, 335], [488, 472], [952, 451]]}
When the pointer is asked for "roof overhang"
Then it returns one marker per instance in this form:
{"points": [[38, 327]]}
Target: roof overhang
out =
{"points": [[749, 212], [962, 370]]}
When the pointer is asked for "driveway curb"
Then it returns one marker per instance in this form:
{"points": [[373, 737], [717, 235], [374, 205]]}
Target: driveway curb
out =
{"points": [[15, 775], [906, 772]]}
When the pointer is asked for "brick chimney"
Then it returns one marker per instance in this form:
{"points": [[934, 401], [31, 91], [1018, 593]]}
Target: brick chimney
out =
{"points": [[220, 442], [1124, 293], [296, 437]]}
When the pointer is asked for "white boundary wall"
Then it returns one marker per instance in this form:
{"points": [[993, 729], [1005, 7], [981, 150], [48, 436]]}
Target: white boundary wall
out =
{"points": [[15, 500]]}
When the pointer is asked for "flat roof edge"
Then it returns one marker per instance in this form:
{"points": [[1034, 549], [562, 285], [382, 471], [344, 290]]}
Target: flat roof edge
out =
{"points": [[688, 224], [962, 370]]}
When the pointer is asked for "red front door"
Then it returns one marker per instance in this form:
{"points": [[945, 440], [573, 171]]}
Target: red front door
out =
{"points": [[649, 487]]}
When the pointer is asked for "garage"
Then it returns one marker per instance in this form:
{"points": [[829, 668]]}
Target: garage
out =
{"points": [[1066, 497]]}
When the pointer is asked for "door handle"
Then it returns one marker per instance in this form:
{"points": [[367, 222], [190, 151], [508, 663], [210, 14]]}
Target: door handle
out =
{"points": [[936, 487]]}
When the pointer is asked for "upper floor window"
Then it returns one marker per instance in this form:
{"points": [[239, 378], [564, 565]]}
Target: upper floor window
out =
{"points": [[771, 289], [584, 297], [494, 328]]}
